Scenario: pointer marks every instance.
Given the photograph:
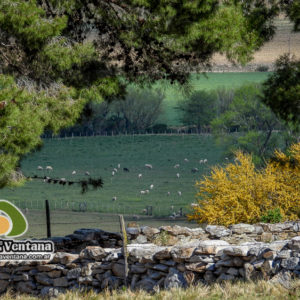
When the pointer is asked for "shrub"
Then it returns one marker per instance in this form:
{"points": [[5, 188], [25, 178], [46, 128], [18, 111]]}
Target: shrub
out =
{"points": [[240, 193], [272, 216], [262, 68]]}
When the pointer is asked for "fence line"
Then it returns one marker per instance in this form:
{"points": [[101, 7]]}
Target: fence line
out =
{"points": [[93, 206], [115, 133]]}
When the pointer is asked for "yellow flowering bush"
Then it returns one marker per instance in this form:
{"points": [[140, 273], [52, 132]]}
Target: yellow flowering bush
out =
{"points": [[238, 193]]}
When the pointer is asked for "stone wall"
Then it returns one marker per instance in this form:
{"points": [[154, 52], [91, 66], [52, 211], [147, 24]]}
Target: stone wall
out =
{"points": [[199, 255]]}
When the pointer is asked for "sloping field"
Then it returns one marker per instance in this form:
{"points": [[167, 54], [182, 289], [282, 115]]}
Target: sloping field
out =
{"points": [[99, 155]]}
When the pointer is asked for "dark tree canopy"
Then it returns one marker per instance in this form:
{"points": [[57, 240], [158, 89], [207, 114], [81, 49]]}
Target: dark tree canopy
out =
{"points": [[57, 55]]}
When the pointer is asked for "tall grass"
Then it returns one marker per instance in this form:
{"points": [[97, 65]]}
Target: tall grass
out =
{"points": [[261, 290]]}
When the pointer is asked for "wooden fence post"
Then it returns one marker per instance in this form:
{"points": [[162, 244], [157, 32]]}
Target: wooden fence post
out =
{"points": [[48, 219], [124, 248]]}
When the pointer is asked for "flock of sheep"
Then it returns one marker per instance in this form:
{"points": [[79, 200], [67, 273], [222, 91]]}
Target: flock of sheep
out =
{"points": [[140, 175]]}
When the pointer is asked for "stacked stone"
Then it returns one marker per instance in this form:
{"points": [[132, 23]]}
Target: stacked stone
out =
{"points": [[152, 266]]}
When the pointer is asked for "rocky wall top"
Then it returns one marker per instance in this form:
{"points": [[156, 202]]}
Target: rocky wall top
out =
{"points": [[177, 235]]}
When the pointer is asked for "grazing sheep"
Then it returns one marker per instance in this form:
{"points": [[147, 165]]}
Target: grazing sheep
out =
{"points": [[116, 170], [49, 168], [205, 161], [172, 207], [87, 173], [63, 179], [186, 160], [140, 176], [74, 172], [40, 168], [194, 204], [151, 186], [176, 166], [144, 211], [168, 193], [226, 158], [125, 169], [119, 166], [147, 191], [179, 193], [195, 170], [143, 192], [148, 166], [114, 198], [112, 173], [201, 161], [177, 175]]}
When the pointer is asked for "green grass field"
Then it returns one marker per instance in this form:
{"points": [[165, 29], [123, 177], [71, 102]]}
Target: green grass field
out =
{"points": [[210, 81], [99, 155]]}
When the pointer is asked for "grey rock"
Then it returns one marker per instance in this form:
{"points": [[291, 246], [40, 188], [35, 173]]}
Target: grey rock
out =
{"points": [[284, 254], [242, 228], [93, 252], [237, 250], [161, 268], [50, 291], [118, 270], [290, 263], [233, 271], [44, 280], [225, 277], [200, 258], [146, 284], [284, 278], [74, 273], [141, 239], [3, 285], [4, 276], [294, 243], [180, 254], [85, 279], [211, 247], [217, 231], [149, 231], [62, 282], [133, 231], [174, 279], [296, 227], [137, 269], [169, 263]]}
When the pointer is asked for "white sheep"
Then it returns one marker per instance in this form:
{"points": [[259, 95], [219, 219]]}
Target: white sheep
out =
{"points": [[116, 170], [143, 192], [63, 179], [87, 173], [49, 168], [168, 193], [147, 191], [178, 175], [151, 186], [186, 160], [40, 168], [114, 198], [113, 173], [176, 166], [226, 158], [194, 204], [179, 193], [119, 166], [74, 172], [201, 161], [148, 166], [144, 210], [140, 176], [205, 161]]}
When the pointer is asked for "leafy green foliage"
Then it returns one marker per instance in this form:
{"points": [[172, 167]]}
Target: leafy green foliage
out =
{"points": [[199, 109], [282, 90], [250, 123], [272, 216]]}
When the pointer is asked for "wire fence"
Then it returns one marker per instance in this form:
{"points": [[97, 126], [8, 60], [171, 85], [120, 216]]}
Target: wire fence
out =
{"points": [[112, 208], [177, 131]]}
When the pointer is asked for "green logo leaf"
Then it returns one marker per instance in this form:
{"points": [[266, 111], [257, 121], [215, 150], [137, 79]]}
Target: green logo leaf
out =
{"points": [[14, 217]]}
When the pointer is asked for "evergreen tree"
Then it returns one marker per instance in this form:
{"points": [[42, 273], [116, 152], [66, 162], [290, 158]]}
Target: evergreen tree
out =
{"points": [[56, 55]]}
